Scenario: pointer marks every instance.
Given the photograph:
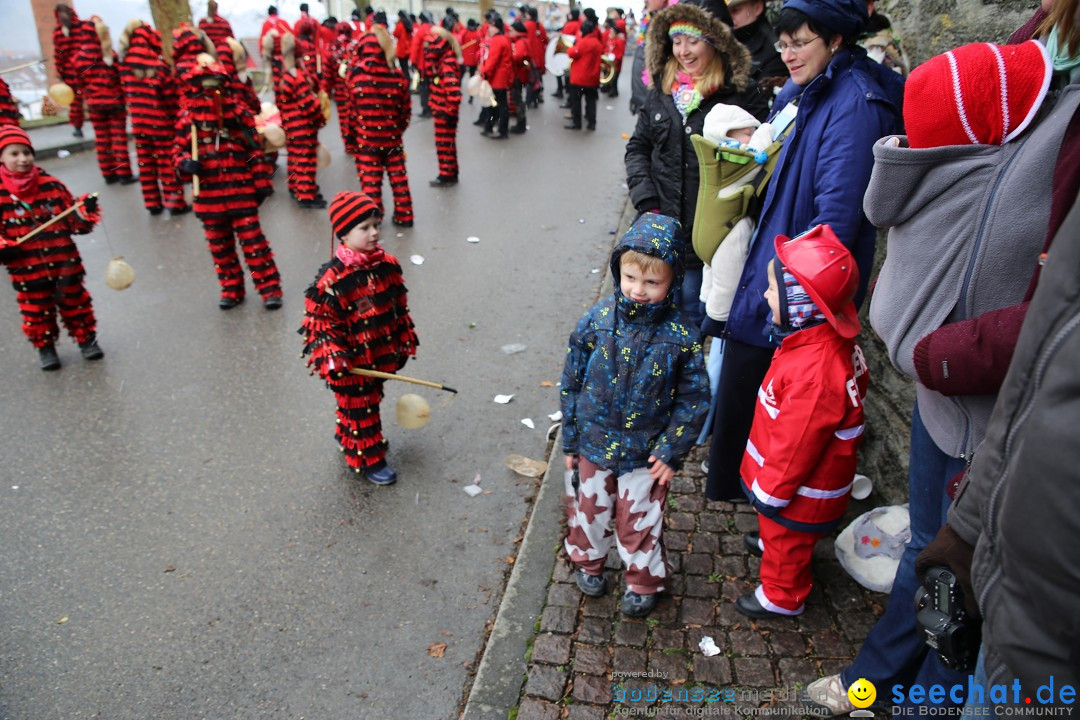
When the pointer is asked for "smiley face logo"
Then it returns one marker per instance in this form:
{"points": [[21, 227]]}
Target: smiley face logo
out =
{"points": [[862, 693]]}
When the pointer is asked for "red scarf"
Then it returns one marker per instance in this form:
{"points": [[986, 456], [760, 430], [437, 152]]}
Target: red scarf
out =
{"points": [[24, 186], [354, 259]]}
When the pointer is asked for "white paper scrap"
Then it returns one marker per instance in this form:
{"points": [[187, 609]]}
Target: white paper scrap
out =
{"points": [[555, 416], [472, 239], [417, 259], [527, 422], [475, 490], [503, 399], [708, 647]]}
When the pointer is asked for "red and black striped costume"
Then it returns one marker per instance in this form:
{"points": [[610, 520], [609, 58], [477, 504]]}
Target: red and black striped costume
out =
{"points": [[233, 58], [151, 100], [216, 28], [46, 270], [9, 109], [444, 70], [100, 80], [301, 118], [227, 203], [358, 317], [188, 43], [379, 111], [67, 41]]}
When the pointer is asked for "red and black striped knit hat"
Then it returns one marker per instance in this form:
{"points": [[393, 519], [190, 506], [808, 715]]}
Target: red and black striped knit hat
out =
{"points": [[144, 50], [11, 134], [349, 209]]}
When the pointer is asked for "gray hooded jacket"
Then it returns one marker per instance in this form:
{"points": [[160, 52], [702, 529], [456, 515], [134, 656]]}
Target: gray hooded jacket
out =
{"points": [[966, 226]]}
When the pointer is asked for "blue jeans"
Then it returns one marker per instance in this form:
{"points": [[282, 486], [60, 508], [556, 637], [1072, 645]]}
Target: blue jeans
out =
{"points": [[689, 295], [894, 651]]}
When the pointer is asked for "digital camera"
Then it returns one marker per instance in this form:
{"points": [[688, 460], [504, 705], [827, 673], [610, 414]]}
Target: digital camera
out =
{"points": [[946, 626]]}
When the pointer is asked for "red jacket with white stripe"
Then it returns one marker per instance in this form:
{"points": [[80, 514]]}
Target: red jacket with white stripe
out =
{"points": [[808, 425]]}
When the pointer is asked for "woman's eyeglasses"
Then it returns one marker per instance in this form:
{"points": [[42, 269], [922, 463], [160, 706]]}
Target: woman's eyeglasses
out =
{"points": [[796, 47]]}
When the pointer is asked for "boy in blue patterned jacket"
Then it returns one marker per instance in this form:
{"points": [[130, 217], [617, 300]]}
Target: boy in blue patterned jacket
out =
{"points": [[634, 397]]}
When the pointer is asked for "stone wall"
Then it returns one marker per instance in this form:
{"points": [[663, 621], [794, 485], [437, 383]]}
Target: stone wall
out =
{"points": [[930, 27]]}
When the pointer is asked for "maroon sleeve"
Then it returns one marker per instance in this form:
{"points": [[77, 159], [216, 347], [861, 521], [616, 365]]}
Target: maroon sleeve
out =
{"points": [[970, 357]]}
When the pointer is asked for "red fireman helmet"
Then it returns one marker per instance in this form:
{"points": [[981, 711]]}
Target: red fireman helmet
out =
{"points": [[827, 271]]}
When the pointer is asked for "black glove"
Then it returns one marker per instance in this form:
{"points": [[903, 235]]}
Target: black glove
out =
{"points": [[951, 551], [90, 202], [190, 167]]}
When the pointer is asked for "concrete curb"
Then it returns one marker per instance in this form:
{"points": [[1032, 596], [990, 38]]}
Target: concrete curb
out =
{"points": [[47, 153], [502, 669]]}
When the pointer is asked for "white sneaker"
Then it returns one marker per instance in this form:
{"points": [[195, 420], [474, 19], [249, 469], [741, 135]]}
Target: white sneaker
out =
{"points": [[705, 466], [829, 693]]}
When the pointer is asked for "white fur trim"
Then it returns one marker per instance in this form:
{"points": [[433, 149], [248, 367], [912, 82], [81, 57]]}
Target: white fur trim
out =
{"points": [[1047, 74], [959, 97]]}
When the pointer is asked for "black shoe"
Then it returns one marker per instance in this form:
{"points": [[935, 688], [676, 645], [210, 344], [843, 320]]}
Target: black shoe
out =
{"points": [[111, 179], [128, 179], [518, 129], [78, 132], [443, 181], [272, 303], [424, 114], [228, 303], [487, 133], [91, 350], [48, 360], [591, 127], [749, 606], [180, 211], [572, 126], [402, 223], [564, 106], [750, 542], [314, 204], [499, 137], [558, 94], [479, 123], [155, 210]]}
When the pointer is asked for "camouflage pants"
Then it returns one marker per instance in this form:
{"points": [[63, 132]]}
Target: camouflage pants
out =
{"points": [[633, 506]]}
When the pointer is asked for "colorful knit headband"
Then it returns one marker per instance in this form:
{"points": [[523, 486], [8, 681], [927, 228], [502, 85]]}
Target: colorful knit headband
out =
{"points": [[687, 29]]}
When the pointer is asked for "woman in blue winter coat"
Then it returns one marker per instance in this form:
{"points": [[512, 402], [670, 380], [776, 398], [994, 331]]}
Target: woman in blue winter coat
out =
{"points": [[839, 104]]}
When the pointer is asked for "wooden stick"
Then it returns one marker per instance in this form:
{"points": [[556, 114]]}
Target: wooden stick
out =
{"points": [[195, 157], [24, 65], [392, 376], [55, 219]]}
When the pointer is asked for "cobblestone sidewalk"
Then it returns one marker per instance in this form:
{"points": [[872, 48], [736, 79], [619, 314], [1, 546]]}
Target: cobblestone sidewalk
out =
{"points": [[580, 641]]}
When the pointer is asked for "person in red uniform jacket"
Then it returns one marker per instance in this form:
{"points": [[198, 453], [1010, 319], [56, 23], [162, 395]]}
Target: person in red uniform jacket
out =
{"points": [[498, 70], [356, 315], [416, 55], [470, 48], [380, 108], [46, 270], [571, 27], [9, 109], [69, 36], [212, 107], [301, 118], [522, 61], [538, 40], [442, 57], [800, 459], [151, 99], [216, 27], [403, 33], [584, 76], [99, 74], [273, 22], [616, 48]]}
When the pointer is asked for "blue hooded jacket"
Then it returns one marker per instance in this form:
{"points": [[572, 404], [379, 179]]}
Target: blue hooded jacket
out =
{"points": [[634, 383], [820, 178]]}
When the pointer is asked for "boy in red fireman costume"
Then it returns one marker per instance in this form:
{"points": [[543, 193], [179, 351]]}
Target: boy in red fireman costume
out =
{"points": [[356, 315], [99, 76], [442, 58], [800, 458], [214, 110], [379, 112], [584, 77], [45, 270], [301, 117], [151, 98], [69, 36]]}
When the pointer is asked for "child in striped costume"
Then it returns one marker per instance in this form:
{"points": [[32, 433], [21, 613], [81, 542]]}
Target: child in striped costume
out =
{"points": [[99, 76], [442, 58], [46, 270], [356, 315]]}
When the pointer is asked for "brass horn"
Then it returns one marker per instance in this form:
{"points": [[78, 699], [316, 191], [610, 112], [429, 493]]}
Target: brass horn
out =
{"points": [[607, 69]]}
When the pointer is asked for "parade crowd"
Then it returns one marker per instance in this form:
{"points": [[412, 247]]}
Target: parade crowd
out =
{"points": [[766, 156]]}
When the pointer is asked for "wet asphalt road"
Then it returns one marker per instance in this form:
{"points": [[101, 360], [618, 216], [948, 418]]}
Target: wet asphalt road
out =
{"points": [[180, 538]]}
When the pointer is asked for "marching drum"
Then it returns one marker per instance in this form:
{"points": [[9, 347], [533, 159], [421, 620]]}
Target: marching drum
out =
{"points": [[558, 62]]}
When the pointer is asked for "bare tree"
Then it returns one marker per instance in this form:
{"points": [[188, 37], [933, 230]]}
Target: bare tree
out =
{"points": [[168, 14]]}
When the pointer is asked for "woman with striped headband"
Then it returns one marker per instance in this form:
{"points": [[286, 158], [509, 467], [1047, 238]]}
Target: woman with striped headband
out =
{"points": [[694, 63]]}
